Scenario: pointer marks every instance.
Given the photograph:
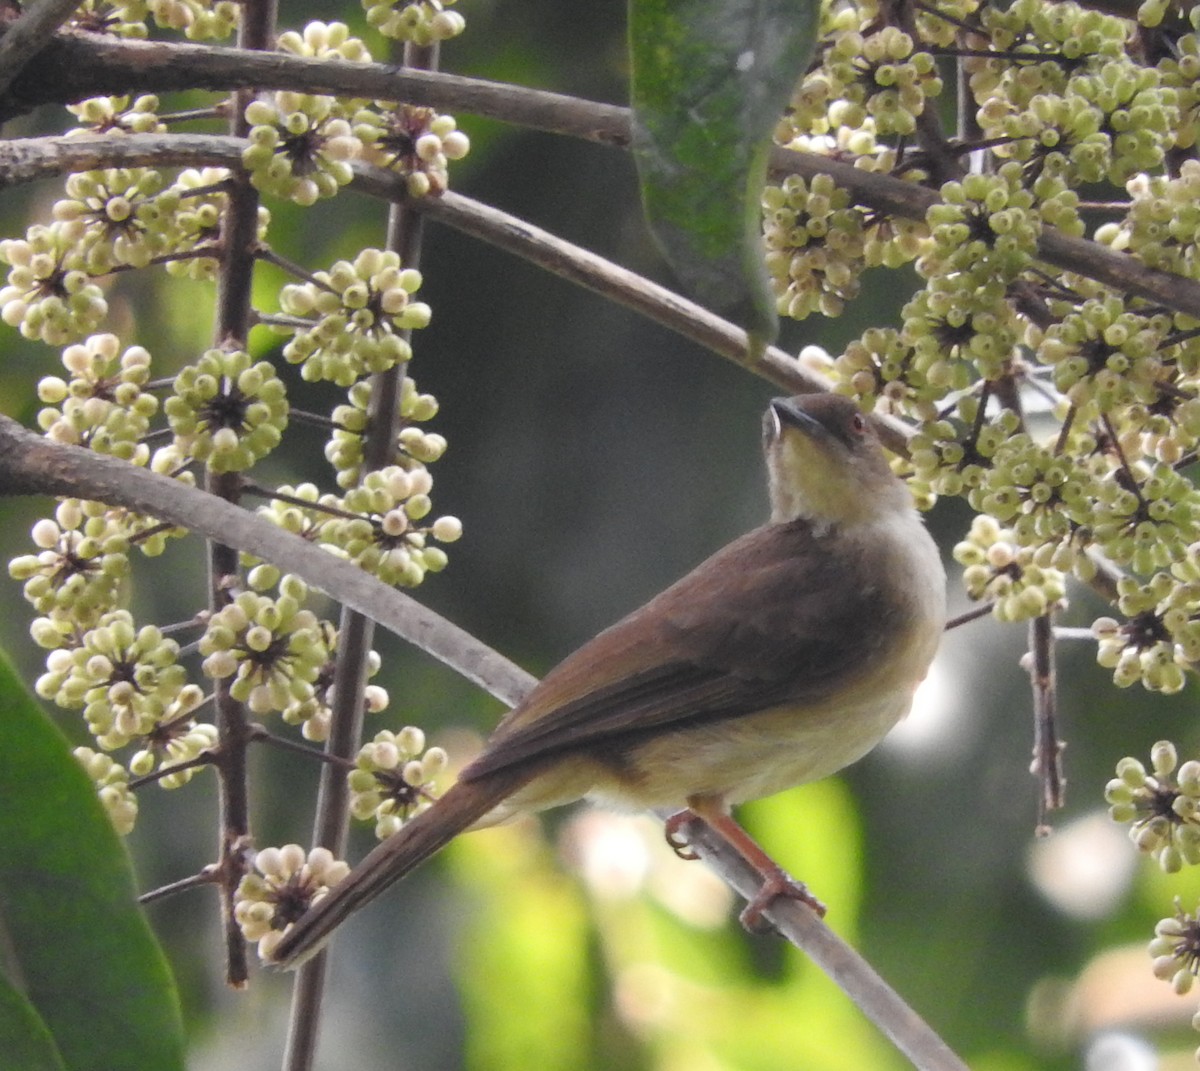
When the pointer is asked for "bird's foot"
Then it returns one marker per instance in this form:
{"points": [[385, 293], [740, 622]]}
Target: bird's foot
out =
{"points": [[777, 883], [677, 837]]}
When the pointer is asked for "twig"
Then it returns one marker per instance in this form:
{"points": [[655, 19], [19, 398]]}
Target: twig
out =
{"points": [[405, 231], [1047, 748], [73, 67], [231, 329], [262, 736], [32, 158], [968, 616], [249, 487], [207, 876], [205, 758], [799, 924]]}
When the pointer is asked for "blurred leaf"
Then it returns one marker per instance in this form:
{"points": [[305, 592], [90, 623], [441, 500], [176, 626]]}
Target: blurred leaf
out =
{"points": [[77, 945], [523, 967], [27, 1044], [710, 79]]}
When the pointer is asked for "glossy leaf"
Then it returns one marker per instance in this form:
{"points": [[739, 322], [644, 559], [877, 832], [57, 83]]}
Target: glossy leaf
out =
{"points": [[25, 1041], [78, 949], [710, 80]]}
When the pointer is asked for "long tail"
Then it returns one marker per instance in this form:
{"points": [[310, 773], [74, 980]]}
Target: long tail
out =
{"points": [[463, 805]]}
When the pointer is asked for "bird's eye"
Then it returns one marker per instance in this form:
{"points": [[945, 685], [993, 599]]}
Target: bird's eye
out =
{"points": [[858, 424]]}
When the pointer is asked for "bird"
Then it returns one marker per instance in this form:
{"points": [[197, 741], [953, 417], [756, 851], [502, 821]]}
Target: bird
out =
{"points": [[779, 660]]}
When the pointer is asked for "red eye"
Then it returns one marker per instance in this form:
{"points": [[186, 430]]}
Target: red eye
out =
{"points": [[858, 424]]}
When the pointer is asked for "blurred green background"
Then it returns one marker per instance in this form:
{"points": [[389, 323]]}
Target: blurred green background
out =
{"points": [[595, 457]]}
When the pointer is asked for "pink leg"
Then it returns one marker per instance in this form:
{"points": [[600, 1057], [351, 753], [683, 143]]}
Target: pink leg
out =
{"points": [[776, 882]]}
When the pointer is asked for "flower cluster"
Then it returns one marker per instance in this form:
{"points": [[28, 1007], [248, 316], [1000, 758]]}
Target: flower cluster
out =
{"points": [[200, 199], [48, 295], [198, 19], [124, 679], [104, 405], [115, 217], [386, 537], [226, 412], [999, 568], [421, 21], [80, 565], [299, 146], [1162, 807], [416, 142], [272, 648], [117, 115], [352, 320], [112, 787], [880, 76], [392, 779], [344, 450], [815, 245], [284, 883]]}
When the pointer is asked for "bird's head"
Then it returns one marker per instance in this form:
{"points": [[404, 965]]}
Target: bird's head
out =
{"points": [[825, 463]]}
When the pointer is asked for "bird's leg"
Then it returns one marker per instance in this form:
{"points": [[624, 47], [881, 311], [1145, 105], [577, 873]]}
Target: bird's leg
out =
{"points": [[776, 882], [677, 837]]}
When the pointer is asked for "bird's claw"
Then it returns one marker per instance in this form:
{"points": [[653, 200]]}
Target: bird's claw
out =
{"points": [[677, 836], [777, 884]]}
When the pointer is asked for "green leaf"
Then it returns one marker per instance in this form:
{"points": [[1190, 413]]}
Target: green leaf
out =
{"points": [[710, 80], [73, 942], [25, 1041]]}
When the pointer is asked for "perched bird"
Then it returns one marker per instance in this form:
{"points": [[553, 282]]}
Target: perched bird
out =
{"points": [[781, 659]]}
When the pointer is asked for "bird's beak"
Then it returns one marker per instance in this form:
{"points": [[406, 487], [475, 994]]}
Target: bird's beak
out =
{"points": [[785, 411]]}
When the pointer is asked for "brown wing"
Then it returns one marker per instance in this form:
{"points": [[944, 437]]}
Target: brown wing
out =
{"points": [[764, 621]]}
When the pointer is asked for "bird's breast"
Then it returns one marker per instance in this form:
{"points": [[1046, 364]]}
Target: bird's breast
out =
{"points": [[892, 613]]}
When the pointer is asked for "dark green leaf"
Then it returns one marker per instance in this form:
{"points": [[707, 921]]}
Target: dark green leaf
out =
{"points": [[76, 945], [710, 81], [25, 1041]]}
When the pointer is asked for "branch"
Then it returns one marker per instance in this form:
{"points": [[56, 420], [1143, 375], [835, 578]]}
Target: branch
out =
{"points": [[909, 201], [799, 925], [25, 160], [74, 67], [31, 465], [26, 37], [1047, 748]]}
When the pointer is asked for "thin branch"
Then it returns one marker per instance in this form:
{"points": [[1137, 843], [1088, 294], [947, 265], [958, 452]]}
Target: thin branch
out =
{"points": [[205, 758], [231, 329], [967, 616], [207, 876], [262, 736], [800, 925], [356, 632], [1047, 748], [27, 36], [31, 464], [249, 487], [297, 271], [32, 158], [609, 280]]}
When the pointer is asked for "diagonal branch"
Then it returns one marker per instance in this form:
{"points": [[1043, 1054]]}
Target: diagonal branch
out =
{"points": [[26, 37], [30, 464]]}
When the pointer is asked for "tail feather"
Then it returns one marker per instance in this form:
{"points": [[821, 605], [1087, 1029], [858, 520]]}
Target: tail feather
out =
{"points": [[425, 835]]}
